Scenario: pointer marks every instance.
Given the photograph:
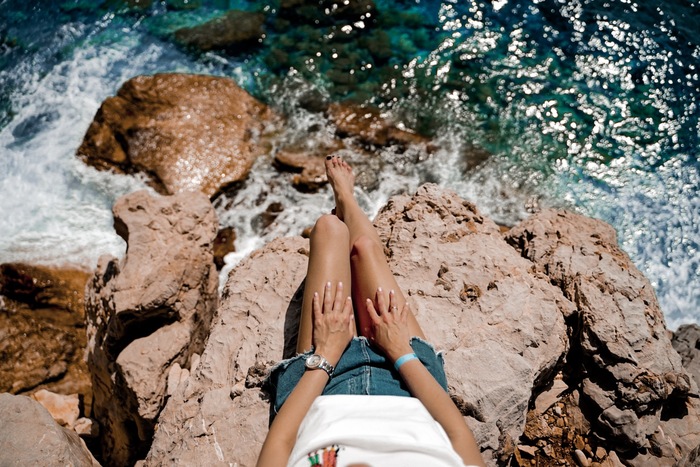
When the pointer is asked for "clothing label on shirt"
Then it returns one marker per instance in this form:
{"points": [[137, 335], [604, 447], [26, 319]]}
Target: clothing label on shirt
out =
{"points": [[327, 457]]}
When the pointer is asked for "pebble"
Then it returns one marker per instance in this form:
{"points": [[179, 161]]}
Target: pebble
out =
{"points": [[600, 452], [581, 458]]}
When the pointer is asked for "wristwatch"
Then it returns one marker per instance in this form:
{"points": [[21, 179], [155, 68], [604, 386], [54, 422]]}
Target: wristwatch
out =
{"points": [[315, 362]]}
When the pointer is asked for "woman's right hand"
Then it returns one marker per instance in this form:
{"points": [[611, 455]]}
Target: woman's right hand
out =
{"points": [[390, 325], [333, 323]]}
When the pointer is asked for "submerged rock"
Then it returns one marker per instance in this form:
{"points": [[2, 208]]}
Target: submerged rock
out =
{"points": [[148, 312], [183, 132], [325, 12], [233, 32], [370, 128]]}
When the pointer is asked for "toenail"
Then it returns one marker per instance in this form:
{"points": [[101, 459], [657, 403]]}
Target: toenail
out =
{"points": [[329, 158]]}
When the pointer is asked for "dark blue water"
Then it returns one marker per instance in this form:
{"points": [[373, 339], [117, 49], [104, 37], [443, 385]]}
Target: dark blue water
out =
{"points": [[590, 105]]}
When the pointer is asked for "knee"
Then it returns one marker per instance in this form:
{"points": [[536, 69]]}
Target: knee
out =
{"points": [[329, 226], [366, 246]]}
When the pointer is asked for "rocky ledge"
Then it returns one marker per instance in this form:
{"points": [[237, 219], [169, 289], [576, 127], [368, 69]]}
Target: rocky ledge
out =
{"points": [[556, 350]]}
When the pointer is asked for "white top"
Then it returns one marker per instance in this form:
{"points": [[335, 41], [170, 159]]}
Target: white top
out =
{"points": [[372, 431]]}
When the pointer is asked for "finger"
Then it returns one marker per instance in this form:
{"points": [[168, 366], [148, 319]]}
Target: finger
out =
{"points": [[316, 307], [327, 299], [381, 302], [403, 316], [338, 303], [371, 311], [347, 307], [392, 302], [347, 312]]}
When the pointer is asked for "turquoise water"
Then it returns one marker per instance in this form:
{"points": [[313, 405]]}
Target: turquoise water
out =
{"points": [[589, 105]]}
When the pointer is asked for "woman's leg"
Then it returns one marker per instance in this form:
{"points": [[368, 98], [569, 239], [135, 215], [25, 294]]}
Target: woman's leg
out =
{"points": [[329, 260], [370, 269]]}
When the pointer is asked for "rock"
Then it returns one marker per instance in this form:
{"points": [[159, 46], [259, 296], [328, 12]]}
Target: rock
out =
{"points": [[326, 12], [64, 409], [184, 132], [267, 217], [306, 159], [41, 351], [311, 168], [612, 460], [549, 397], [220, 415], [581, 459], [86, 427], [42, 286], [148, 312], [673, 438], [371, 128], [692, 459], [452, 262], [30, 436], [530, 451], [223, 245], [234, 32], [183, 4], [600, 453], [42, 326], [623, 342], [686, 341]]}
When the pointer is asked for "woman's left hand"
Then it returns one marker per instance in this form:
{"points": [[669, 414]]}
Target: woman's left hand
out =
{"points": [[333, 323]]}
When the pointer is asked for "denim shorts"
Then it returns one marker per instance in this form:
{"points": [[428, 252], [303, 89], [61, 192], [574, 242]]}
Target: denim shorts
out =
{"points": [[360, 371]]}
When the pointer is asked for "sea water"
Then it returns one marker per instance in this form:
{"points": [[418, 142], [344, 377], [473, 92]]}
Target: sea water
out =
{"points": [[582, 104]]}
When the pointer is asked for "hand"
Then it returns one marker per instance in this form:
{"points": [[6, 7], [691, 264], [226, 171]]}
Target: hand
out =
{"points": [[390, 326], [333, 323]]}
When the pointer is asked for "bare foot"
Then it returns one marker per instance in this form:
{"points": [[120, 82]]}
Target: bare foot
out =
{"points": [[342, 180]]}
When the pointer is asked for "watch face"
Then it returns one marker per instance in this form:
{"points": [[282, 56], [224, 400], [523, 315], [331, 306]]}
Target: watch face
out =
{"points": [[313, 361]]}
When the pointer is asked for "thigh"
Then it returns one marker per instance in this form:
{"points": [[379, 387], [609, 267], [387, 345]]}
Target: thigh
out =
{"points": [[329, 261], [371, 271]]}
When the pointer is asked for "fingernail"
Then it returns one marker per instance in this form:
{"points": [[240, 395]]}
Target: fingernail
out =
{"points": [[328, 284], [340, 283], [379, 289]]}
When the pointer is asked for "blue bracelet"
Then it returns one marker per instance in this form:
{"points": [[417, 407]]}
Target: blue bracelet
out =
{"points": [[403, 359]]}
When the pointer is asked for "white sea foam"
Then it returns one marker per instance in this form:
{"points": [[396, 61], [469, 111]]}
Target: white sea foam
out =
{"points": [[56, 209]]}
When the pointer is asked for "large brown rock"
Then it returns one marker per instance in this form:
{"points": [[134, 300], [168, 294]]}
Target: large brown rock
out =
{"points": [[183, 132], [45, 286], [473, 295], [30, 436], [148, 312], [632, 373], [42, 329]]}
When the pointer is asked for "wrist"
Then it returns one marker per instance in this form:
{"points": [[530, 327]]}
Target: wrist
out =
{"points": [[332, 355], [404, 359], [400, 351]]}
